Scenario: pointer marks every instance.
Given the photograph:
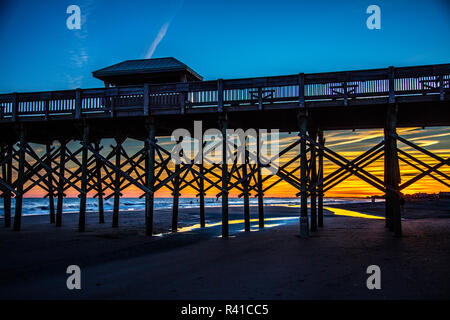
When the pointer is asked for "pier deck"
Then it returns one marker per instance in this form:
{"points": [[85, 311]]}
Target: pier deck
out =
{"points": [[306, 103]]}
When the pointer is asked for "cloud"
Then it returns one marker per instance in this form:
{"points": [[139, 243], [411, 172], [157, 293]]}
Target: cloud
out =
{"points": [[75, 82], [78, 52], [431, 136]]}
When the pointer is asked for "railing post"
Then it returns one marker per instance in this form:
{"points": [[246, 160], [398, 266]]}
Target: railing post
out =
{"points": [[345, 88], [15, 106], [146, 99], [78, 103], [301, 90], [260, 93], [112, 97], [391, 85], [182, 102], [220, 95], [441, 87], [182, 89], [46, 106]]}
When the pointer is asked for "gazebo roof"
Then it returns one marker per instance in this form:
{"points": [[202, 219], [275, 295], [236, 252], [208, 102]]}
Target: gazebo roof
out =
{"points": [[151, 68]]}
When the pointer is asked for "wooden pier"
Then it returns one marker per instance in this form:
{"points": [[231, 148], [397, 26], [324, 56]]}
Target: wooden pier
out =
{"points": [[144, 106]]}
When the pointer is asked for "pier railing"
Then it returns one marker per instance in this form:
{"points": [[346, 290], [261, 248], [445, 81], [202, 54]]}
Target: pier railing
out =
{"points": [[342, 88]]}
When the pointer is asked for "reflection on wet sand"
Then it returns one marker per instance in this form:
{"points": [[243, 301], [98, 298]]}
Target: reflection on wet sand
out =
{"points": [[279, 220], [344, 212], [349, 213], [239, 221]]}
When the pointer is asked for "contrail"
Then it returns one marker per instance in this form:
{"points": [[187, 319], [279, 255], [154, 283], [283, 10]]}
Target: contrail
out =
{"points": [[159, 37], [162, 31]]}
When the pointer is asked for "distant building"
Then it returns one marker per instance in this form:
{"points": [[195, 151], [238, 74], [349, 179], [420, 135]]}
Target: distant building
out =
{"points": [[421, 195], [444, 195]]}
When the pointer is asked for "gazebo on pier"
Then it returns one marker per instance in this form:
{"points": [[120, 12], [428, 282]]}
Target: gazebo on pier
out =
{"points": [[152, 71]]}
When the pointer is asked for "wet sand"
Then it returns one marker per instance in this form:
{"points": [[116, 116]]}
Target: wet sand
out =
{"points": [[122, 263]]}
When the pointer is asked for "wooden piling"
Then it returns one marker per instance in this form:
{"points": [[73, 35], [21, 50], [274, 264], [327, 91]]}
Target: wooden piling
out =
{"points": [[202, 195], [150, 175], [304, 225], [8, 193], [313, 177], [320, 178], [260, 185], [387, 199], [3, 175], [392, 173], [83, 194], [51, 202], [59, 203], [99, 187], [245, 185], [176, 194], [224, 125], [117, 176], [20, 180], [7, 177]]}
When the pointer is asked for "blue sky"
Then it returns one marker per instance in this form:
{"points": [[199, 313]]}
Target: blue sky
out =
{"points": [[218, 39]]}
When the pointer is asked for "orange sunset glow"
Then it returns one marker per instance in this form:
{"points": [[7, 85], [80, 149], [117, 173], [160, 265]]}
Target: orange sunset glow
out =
{"points": [[347, 143]]}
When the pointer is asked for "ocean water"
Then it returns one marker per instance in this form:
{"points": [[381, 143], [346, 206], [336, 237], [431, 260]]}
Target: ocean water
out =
{"points": [[39, 206]]}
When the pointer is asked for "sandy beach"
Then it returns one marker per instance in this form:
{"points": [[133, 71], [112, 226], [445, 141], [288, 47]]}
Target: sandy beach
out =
{"points": [[123, 263]]}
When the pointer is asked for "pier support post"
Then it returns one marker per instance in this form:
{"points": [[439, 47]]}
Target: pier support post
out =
{"points": [[245, 184], [20, 180], [99, 187], [392, 172], [59, 203], [115, 222], [313, 177], [387, 200], [2, 158], [83, 194], [223, 126], [260, 186], [304, 226], [7, 177], [3, 168], [320, 178], [150, 176], [51, 202], [176, 195], [202, 194]]}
